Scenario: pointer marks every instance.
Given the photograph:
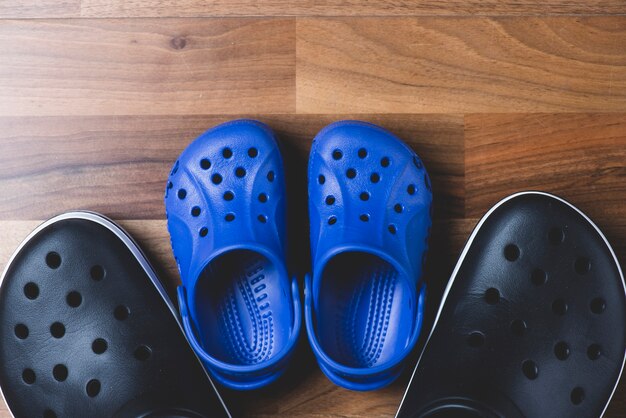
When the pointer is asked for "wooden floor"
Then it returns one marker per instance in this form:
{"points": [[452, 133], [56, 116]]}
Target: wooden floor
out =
{"points": [[98, 97]]}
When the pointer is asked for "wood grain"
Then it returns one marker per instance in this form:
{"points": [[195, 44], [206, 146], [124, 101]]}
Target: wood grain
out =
{"points": [[39, 8], [147, 66], [442, 65]]}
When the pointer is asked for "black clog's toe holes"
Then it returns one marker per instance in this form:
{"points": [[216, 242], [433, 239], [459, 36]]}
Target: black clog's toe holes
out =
{"points": [[321, 179], [351, 173], [384, 162], [28, 376], [240, 172], [375, 178], [60, 372], [337, 154], [411, 189], [74, 299], [229, 217], [121, 312], [511, 252], [253, 152], [594, 351], [21, 331], [53, 260], [216, 179], [195, 211], [362, 153], [182, 194], [582, 265], [577, 396], [530, 369], [99, 345], [227, 153], [364, 196], [205, 164], [262, 218], [597, 305], [476, 339], [49, 413], [332, 220], [97, 273], [556, 236], [228, 196], [392, 229], [398, 208], [364, 217], [31, 290], [518, 327], [492, 296], [559, 307], [271, 176], [142, 353], [561, 350], [203, 231], [57, 330], [330, 200], [538, 277], [262, 197], [93, 388]]}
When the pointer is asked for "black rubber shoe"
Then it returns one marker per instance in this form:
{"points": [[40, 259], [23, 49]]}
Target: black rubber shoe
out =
{"points": [[532, 323], [88, 331]]}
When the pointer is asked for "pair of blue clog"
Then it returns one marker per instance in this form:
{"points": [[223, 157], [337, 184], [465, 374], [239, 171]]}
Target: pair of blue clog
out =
{"points": [[369, 211]]}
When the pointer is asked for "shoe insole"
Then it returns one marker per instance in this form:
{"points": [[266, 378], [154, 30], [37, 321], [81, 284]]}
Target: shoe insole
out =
{"points": [[85, 331], [532, 323], [362, 295]]}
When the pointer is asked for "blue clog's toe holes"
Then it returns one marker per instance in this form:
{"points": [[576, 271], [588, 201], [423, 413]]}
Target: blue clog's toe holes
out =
{"points": [[582, 265], [398, 208], [229, 217], [362, 153], [330, 200], [577, 395], [53, 260], [364, 196], [518, 327], [332, 220], [21, 331], [31, 291], [57, 330], [392, 229], [240, 172], [205, 164], [93, 388], [271, 176], [375, 178], [337, 154], [28, 376], [99, 346], [538, 277], [175, 168], [262, 197], [418, 164], [559, 307], [227, 153], [321, 179], [385, 162], [511, 252], [411, 189], [60, 372], [561, 350], [351, 173], [121, 312], [195, 211], [262, 218], [203, 231], [74, 299], [182, 194], [142, 353], [476, 339], [170, 186], [597, 306], [594, 351], [364, 217], [427, 182], [492, 296], [253, 152], [228, 196], [530, 369], [216, 179]]}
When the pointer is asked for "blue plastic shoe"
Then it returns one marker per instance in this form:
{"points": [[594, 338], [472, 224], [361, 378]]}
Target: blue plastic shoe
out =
{"points": [[369, 206], [225, 204]]}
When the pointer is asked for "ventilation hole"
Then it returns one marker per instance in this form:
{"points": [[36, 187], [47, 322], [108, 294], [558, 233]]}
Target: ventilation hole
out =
{"points": [[577, 396], [582, 265], [121, 312], [538, 277], [229, 217], [411, 189], [364, 217], [492, 296], [216, 179], [594, 351], [53, 260], [195, 211], [518, 327], [240, 172], [270, 176], [332, 220], [375, 178], [362, 153], [28, 376], [321, 179], [556, 236], [262, 198], [170, 185], [182, 193], [60, 372], [330, 200], [559, 307], [228, 196], [142, 353], [427, 182], [97, 272], [205, 164], [57, 330], [74, 299], [93, 388], [253, 152], [597, 306], [417, 162], [175, 168], [365, 196], [31, 290], [398, 208], [530, 370], [561, 350], [476, 339], [392, 228], [203, 231], [21, 331], [511, 252], [49, 413], [384, 162], [351, 173], [337, 154], [227, 153], [262, 218], [99, 345]]}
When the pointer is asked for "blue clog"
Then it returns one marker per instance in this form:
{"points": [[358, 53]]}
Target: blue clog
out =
{"points": [[225, 204], [369, 206]]}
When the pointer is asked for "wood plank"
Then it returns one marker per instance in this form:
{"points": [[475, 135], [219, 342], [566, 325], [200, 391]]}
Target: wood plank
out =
{"points": [[118, 165], [579, 156], [147, 66], [39, 8], [441, 65]]}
